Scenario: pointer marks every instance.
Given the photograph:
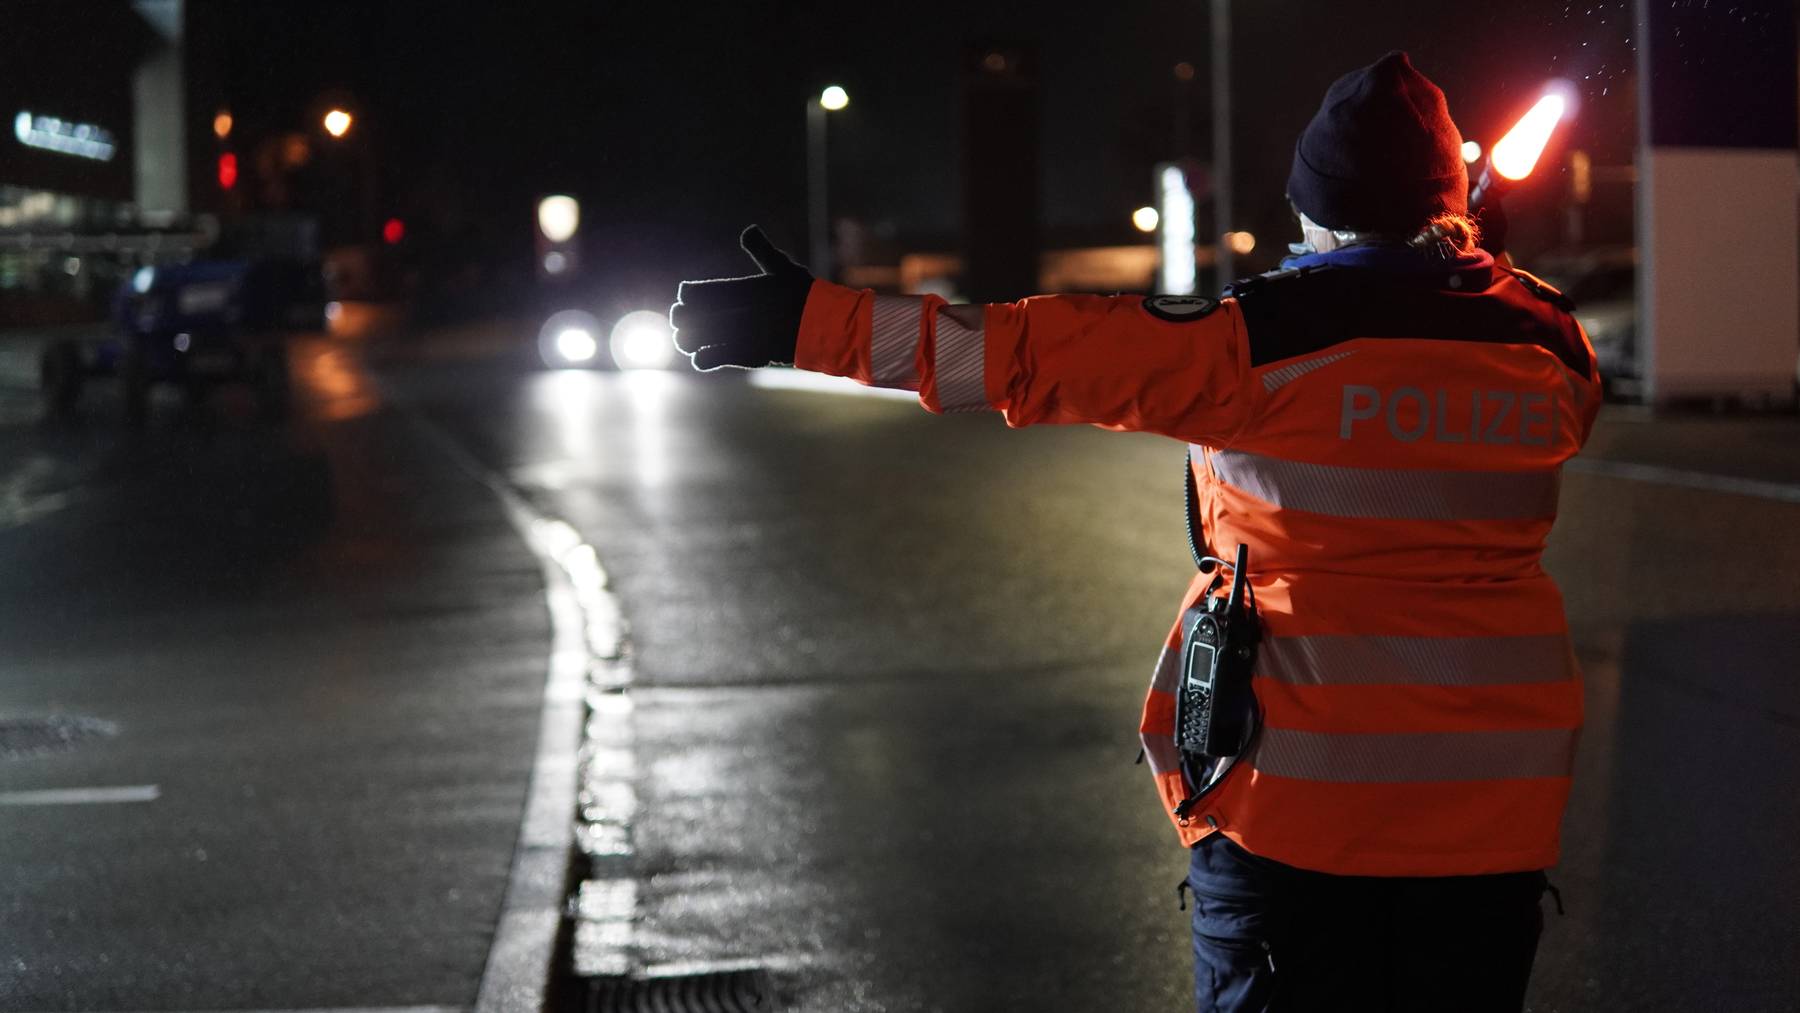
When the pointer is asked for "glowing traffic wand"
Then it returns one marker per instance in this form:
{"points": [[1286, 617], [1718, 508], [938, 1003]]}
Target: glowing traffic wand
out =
{"points": [[1515, 155]]}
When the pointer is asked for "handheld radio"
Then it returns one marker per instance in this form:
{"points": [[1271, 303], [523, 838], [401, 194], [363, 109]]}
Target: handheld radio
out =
{"points": [[1215, 710], [1216, 716]]}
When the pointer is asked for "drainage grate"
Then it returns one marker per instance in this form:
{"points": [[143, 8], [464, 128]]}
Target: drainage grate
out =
{"points": [[746, 991], [22, 737]]}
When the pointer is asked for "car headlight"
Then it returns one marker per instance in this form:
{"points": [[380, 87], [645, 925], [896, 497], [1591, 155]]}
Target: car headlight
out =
{"points": [[642, 340], [569, 338]]}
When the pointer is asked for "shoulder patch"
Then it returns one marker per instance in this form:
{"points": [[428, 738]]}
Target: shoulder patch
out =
{"points": [[1179, 309]]}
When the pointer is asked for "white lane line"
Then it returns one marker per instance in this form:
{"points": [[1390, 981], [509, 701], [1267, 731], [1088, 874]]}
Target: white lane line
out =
{"points": [[588, 638], [82, 796], [1784, 492]]}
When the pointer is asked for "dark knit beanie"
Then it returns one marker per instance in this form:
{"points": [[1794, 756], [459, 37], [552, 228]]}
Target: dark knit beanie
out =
{"points": [[1381, 155]]}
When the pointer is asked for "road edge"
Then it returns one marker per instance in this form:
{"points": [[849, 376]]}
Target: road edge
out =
{"points": [[587, 673]]}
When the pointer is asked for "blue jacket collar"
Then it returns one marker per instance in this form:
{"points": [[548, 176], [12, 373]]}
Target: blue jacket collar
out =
{"points": [[1393, 257]]}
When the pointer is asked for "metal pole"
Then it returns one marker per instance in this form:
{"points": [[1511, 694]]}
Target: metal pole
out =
{"points": [[1184, 98], [818, 225], [1225, 267]]}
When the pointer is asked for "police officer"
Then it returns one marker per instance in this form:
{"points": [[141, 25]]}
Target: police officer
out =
{"points": [[1382, 423]]}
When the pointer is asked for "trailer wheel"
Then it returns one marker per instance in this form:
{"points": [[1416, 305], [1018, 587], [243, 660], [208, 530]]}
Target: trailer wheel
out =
{"points": [[59, 377], [134, 386]]}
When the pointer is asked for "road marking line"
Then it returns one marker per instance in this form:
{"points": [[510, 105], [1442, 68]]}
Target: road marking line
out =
{"points": [[342, 1009], [1784, 492], [82, 796], [588, 631]]}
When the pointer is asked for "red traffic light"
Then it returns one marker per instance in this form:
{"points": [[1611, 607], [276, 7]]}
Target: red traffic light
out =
{"points": [[228, 171], [392, 231]]}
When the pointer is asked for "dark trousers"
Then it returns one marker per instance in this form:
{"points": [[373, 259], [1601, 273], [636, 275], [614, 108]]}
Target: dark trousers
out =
{"points": [[1270, 937]]}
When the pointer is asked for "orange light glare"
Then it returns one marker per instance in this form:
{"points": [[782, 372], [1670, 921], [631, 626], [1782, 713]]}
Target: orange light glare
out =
{"points": [[1516, 154]]}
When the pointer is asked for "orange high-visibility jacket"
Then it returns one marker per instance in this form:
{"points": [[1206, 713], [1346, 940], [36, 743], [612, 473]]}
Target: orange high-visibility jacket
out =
{"points": [[1389, 446]]}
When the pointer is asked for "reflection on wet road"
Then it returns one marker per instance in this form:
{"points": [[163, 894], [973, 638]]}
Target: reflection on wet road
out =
{"points": [[315, 656], [889, 667]]}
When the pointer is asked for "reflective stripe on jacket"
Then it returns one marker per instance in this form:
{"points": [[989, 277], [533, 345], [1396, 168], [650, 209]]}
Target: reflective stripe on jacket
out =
{"points": [[1389, 446]]}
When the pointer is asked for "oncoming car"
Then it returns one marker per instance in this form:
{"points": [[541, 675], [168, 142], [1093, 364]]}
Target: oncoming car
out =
{"points": [[577, 339]]}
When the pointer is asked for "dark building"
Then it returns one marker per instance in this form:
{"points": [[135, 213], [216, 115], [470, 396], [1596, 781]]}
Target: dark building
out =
{"points": [[94, 172], [1000, 173]]}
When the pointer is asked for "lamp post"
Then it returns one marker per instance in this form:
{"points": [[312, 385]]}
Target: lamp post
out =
{"points": [[337, 124], [1225, 266], [818, 222]]}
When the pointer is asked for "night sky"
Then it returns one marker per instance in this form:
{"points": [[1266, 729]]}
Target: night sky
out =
{"points": [[691, 115]]}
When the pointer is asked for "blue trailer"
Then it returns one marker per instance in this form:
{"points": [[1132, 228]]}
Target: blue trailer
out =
{"points": [[195, 325]]}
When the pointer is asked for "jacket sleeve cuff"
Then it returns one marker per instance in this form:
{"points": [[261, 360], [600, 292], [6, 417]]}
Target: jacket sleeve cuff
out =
{"points": [[831, 329]]}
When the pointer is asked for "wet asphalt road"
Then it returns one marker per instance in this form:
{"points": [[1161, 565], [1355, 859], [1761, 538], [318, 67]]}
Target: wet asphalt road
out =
{"points": [[889, 668], [321, 647], [888, 675]]}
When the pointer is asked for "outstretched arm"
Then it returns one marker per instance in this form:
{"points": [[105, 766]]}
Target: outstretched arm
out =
{"points": [[1178, 366]]}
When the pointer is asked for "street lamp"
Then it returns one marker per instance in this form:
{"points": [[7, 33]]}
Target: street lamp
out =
{"points": [[337, 122], [1144, 219], [818, 230]]}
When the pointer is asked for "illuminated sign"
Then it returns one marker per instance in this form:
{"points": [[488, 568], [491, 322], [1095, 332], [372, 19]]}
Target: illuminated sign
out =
{"points": [[83, 140], [1176, 224]]}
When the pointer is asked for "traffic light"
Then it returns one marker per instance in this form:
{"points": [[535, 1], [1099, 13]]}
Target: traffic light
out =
{"points": [[392, 231], [228, 171]]}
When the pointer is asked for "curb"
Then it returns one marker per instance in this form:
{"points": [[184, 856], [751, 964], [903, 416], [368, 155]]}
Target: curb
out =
{"points": [[585, 767]]}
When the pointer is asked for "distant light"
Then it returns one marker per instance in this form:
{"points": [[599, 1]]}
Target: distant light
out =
{"points": [[1471, 151], [1516, 154], [51, 133], [834, 98], [1179, 274], [1184, 71], [295, 152], [555, 263], [1581, 176], [1145, 219], [994, 62], [576, 344], [334, 311], [569, 338], [228, 171], [183, 342], [337, 122], [1240, 242], [558, 216], [222, 124], [71, 265], [642, 340], [392, 231], [142, 279]]}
